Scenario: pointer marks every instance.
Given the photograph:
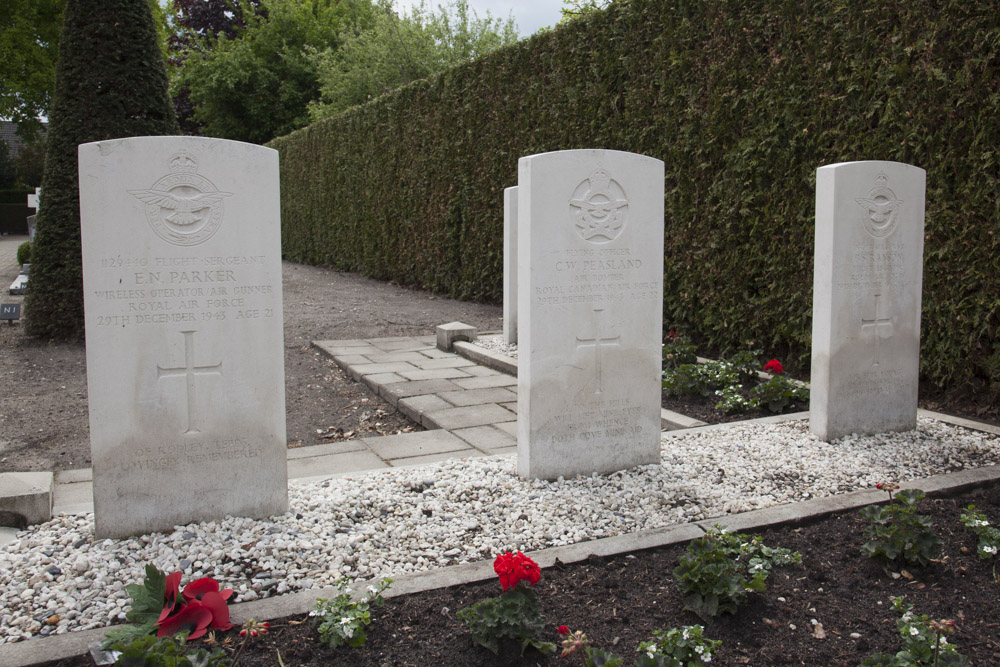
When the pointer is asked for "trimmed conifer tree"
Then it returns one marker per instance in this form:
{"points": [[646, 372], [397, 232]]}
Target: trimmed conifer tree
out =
{"points": [[110, 83]]}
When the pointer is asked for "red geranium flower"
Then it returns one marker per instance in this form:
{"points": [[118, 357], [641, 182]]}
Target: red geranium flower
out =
{"points": [[512, 568], [530, 571], [193, 618], [774, 366]]}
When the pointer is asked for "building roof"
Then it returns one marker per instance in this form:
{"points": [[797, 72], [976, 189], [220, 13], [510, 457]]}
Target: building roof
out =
{"points": [[8, 133]]}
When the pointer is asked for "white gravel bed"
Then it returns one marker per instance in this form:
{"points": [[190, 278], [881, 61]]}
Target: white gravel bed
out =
{"points": [[56, 578], [497, 344]]}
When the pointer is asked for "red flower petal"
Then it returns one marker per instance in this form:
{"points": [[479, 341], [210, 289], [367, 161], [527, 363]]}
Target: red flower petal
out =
{"points": [[193, 617], [774, 366], [563, 630], [220, 612], [197, 588], [503, 566]]}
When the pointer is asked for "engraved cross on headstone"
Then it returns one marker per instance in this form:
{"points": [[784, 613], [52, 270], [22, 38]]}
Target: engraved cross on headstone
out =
{"points": [[596, 342], [189, 371], [875, 324]]}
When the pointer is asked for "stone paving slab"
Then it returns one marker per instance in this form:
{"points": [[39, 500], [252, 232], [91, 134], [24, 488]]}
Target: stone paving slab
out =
{"points": [[471, 415], [436, 374], [420, 443], [487, 438], [335, 463], [395, 391], [482, 382], [464, 397], [415, 407], [329, 448]]}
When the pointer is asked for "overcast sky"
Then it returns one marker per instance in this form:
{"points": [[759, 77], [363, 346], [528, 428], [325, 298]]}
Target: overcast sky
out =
{"points": [[529, 15]]}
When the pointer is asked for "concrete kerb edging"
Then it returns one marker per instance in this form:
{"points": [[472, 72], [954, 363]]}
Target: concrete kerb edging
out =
{"points": [[488, 358], [45, 649]]}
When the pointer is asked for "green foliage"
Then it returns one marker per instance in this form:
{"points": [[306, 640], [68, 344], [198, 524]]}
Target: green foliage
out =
{"points": [[700, 379], [28, 49], [150, 651], [778, 393], [8, 172], [515, 614], [257, 85], [677, 350], [897, 532], [718, 569], [395, 50], [110, 83], [147, 602], [742, 101], [572, 9], [342, 620], [681, 647], [923, 642], [30, 164], [677, 647], [24, 253], [989, 536]]}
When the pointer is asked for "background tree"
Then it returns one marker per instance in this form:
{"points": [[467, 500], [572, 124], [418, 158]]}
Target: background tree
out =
{"points": [[572, 9], [30, 164], [110, 83], [393, 51], [196, 26], [257, 85], [28, 49], [8, 172]]}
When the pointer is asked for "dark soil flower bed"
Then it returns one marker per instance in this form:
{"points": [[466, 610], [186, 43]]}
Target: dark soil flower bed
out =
{"points": [[703, 408], [619, 601]]}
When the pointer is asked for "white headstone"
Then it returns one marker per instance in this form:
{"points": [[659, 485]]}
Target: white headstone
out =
{"points": [[590, 262], [33, 199], [185, 355], [866, 298], [510, 265]]}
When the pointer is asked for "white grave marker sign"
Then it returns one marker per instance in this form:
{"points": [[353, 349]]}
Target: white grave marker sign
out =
{"points": [[590, 304], [867, 298], [185, 354]]}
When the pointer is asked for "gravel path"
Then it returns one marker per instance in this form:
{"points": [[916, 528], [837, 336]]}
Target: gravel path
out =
{"points": [[55, 578]]}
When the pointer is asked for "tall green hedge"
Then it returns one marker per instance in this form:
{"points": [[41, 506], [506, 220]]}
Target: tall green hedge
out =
{"points": [[110, 83], [743, 100]]}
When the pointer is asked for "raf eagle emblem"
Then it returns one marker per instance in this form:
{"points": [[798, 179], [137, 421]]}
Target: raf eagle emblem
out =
{"points": [[183, 208]]}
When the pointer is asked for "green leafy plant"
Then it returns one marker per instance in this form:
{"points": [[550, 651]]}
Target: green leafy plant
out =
{"points": [[896, 532], [731, 399], [989, 536], [681, 647], [726, 378], [149, 651], [924, 642], [778, 393], [678, 350], [24, 253], [700, 379], [342, 620], [677, 647], [159, 606], [718, 569], [515, 614]]}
